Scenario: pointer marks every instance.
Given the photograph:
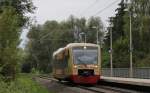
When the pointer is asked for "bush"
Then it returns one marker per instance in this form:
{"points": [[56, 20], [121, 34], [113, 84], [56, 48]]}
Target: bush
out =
{"points": [[9, 72], [23, 84], [26, 68]]}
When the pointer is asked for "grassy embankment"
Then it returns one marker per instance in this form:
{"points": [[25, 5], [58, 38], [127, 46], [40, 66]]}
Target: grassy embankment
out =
{"points": [[23, 84]]}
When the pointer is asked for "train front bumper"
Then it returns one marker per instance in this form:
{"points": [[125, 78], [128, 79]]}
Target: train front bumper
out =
{"points": [[85, 80]]}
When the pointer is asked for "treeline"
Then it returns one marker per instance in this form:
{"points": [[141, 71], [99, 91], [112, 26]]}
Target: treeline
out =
{"points": [[140, 18], [46, 38], [12, 20]]}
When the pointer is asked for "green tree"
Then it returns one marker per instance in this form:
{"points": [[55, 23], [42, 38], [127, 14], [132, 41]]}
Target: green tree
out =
{"points": [[120, 38], [21, 7], [9, 39], [140, 17], [141, 32], [95, 24], [12, 20]]}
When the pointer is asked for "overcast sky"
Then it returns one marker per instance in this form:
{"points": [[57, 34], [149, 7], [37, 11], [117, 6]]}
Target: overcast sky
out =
{"points": [[61, 9]]}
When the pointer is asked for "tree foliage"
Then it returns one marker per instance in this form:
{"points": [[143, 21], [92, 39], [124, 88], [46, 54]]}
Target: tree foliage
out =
{"points": [[21, 7], [140, 17], [141, 32], [12, 19]]}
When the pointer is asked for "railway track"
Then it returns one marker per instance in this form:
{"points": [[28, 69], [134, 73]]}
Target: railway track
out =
{"points": [[93, 88], [107, 89]]}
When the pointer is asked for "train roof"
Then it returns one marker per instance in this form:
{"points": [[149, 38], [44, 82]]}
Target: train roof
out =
{"points": [[73, 45], [58, 51], [80, 44]]}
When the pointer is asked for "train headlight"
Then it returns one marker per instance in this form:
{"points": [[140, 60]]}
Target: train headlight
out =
{"points": [[75, 66], [85, 47], [96, 66]]}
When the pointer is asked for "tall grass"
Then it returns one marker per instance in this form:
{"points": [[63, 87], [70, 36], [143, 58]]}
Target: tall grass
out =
{"points": [[23, 84]]}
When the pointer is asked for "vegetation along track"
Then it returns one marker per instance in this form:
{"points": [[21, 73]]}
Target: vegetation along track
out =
{"points": [[100, 88]]}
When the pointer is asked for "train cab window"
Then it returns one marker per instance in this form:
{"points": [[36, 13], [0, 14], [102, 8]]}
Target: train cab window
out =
{"points": [[85, 56]]}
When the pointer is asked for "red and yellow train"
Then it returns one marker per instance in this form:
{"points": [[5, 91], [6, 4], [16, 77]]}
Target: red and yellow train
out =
{"points": [[78, 62]]}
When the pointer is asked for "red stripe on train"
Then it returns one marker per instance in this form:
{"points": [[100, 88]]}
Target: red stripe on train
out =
{"points": [[85, 80]]}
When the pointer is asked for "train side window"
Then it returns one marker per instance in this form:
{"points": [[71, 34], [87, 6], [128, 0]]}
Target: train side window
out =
{"points": [[61, 61], [66, 57], [66, 61]]}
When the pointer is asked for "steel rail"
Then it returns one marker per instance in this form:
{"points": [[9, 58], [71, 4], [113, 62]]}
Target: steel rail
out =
{"points": [[93, 88]]}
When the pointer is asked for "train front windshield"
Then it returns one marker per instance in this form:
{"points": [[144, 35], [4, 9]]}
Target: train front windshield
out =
{"points": [[85, 56]]}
